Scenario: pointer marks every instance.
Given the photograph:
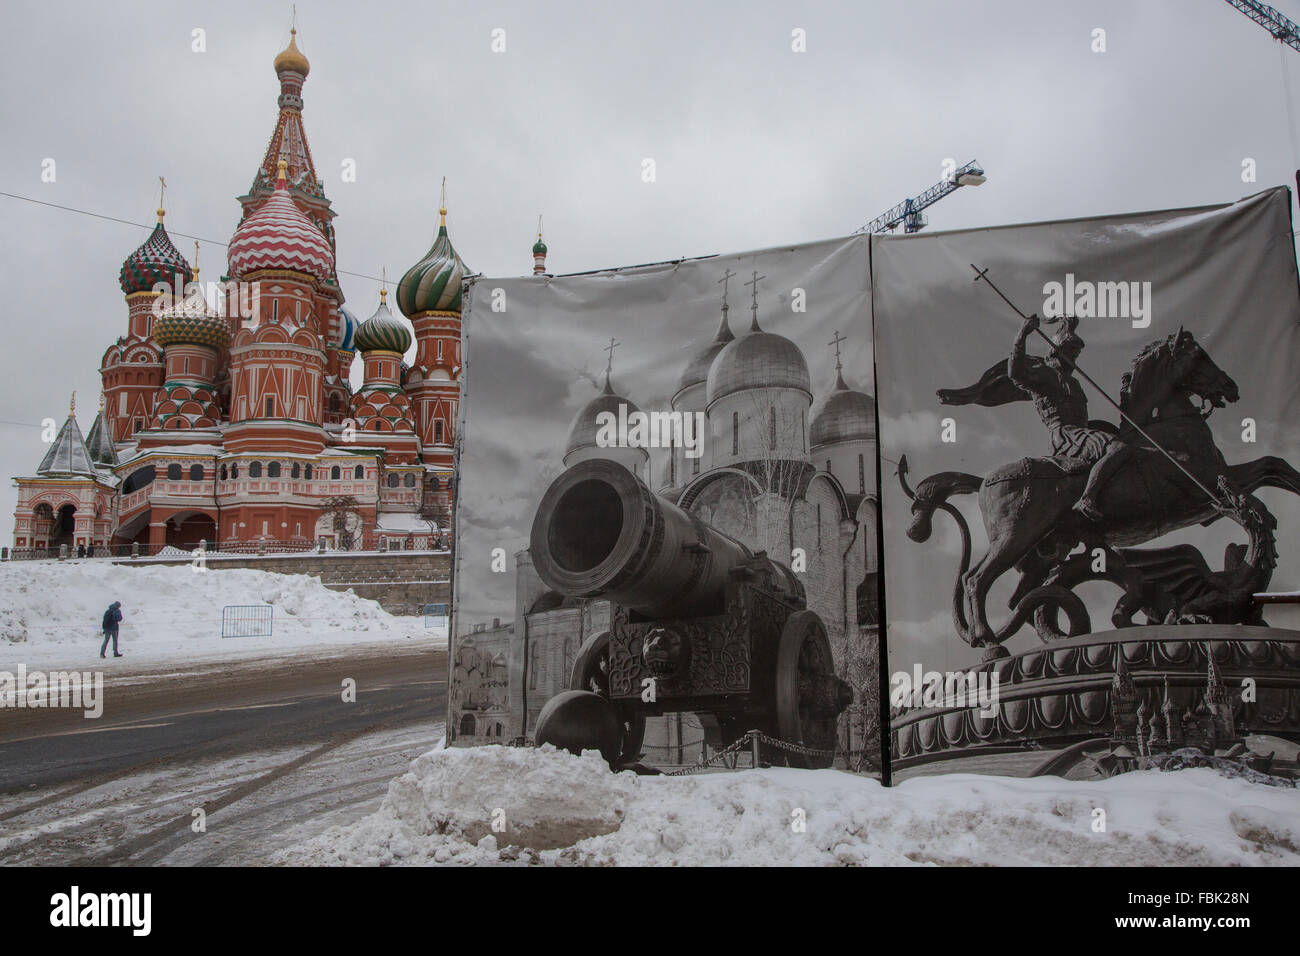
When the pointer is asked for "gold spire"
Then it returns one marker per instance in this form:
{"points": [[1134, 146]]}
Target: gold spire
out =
{"points": [[383, 285], [291, 58], [196, 260], [442, 206], [72, 405], [162, 191], [101, 403], [282, 170], [539, 227]]}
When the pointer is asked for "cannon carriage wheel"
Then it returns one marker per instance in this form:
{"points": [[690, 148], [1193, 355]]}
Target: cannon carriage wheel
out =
{"points": [[591, 673], [807, 691]]}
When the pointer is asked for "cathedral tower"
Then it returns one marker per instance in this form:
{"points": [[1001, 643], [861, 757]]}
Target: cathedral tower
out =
{"points": [[430, 296], [132, 367]]}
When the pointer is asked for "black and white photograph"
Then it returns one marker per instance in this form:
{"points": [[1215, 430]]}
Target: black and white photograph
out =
{"points": [[1088, 431], [666, 525]]}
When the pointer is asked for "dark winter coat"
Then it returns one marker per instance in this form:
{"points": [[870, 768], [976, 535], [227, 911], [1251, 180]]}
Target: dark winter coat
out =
{"points": [[112, 616]]}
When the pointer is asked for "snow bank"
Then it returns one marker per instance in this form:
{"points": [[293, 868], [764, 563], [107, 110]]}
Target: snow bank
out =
{"points": [[560, 809], [50, 612]]}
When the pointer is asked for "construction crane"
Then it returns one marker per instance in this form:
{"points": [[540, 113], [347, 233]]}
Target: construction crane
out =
{"points": [[1283, 29], [909, 211]]}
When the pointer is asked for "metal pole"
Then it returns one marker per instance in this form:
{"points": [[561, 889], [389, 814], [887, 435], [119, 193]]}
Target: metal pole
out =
{"points": [[753, 740], [983, 274]]}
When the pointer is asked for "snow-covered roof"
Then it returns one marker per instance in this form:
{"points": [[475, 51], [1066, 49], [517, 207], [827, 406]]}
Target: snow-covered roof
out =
{"points": [[68, 455], [403, 521]]}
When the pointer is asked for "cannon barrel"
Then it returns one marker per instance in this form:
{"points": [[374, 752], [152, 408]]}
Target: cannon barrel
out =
{"points": [[599, 532]]}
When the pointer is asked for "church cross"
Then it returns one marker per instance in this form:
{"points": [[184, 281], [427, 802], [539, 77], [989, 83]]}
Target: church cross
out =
{"points": [[836, 342], [753, 308]]}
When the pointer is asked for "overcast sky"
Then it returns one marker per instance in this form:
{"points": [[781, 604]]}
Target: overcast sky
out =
{"points": [[754, 145]]}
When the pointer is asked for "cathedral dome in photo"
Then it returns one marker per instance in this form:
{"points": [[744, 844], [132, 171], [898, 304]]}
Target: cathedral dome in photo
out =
{"points": [[842, 414], [757, 359]]}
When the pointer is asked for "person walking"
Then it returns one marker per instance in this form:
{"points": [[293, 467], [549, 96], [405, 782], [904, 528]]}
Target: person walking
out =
{"points": [[111, 619]]}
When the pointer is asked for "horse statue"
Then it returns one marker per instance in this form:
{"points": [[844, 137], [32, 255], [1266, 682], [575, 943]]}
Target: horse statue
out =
{"points": [[1027, 506]]}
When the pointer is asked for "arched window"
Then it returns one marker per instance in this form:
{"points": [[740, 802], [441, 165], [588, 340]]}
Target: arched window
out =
{"points": [[410, 481], [255, 469], [225, 472], [335, 473], [435, 484], [295, 470], [437, 433], [306, 472], [392, 481], [173, 472], [273, 470], [196, 472], [359, 472], [234, 471]]}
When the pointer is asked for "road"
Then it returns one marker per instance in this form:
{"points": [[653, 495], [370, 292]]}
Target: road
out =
{"points": [[266, 748]]}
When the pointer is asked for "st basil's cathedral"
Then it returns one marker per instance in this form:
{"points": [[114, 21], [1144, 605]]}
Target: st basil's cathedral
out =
{"points": [[240, 427]]}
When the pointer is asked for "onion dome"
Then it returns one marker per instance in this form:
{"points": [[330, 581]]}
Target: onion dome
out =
{"points": [[155, 261], [348, 329], [280, 236], [539, 247], [582, 433], [192, 322], [290, 59], [383, 331], [697, 370], [757, 359], [434, 283], [842, 414]]}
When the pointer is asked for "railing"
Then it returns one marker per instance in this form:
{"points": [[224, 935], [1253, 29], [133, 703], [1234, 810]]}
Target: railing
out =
{"points": [[247, 620], [184, 550]]}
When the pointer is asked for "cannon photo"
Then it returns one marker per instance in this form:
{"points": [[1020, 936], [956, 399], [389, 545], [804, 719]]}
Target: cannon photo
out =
{"points": [[667, 520]]}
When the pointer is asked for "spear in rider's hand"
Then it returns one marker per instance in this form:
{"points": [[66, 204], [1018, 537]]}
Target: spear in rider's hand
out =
{"points": [[984, 274]]}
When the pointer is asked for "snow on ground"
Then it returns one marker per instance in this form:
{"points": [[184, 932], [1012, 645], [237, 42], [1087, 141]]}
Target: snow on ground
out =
{"points": [[50, 612], [562, 809]]}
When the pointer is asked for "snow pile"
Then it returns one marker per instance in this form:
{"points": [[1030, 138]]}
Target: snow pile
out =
{"points": [[554, 808], [52, 611]]}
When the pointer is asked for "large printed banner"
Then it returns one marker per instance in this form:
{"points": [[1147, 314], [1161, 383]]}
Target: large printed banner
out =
{"points": [[1089, 451], [666, 503]]}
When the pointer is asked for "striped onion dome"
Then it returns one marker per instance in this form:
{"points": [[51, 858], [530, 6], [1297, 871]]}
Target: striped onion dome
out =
{"points": [[434, 283], [348, 329], [191, 322], [280, 236], [155, 261], [383, 331], [842, 414]]}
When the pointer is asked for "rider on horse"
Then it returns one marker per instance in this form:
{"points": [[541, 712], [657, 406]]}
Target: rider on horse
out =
{"points": [[1062, 405]]}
